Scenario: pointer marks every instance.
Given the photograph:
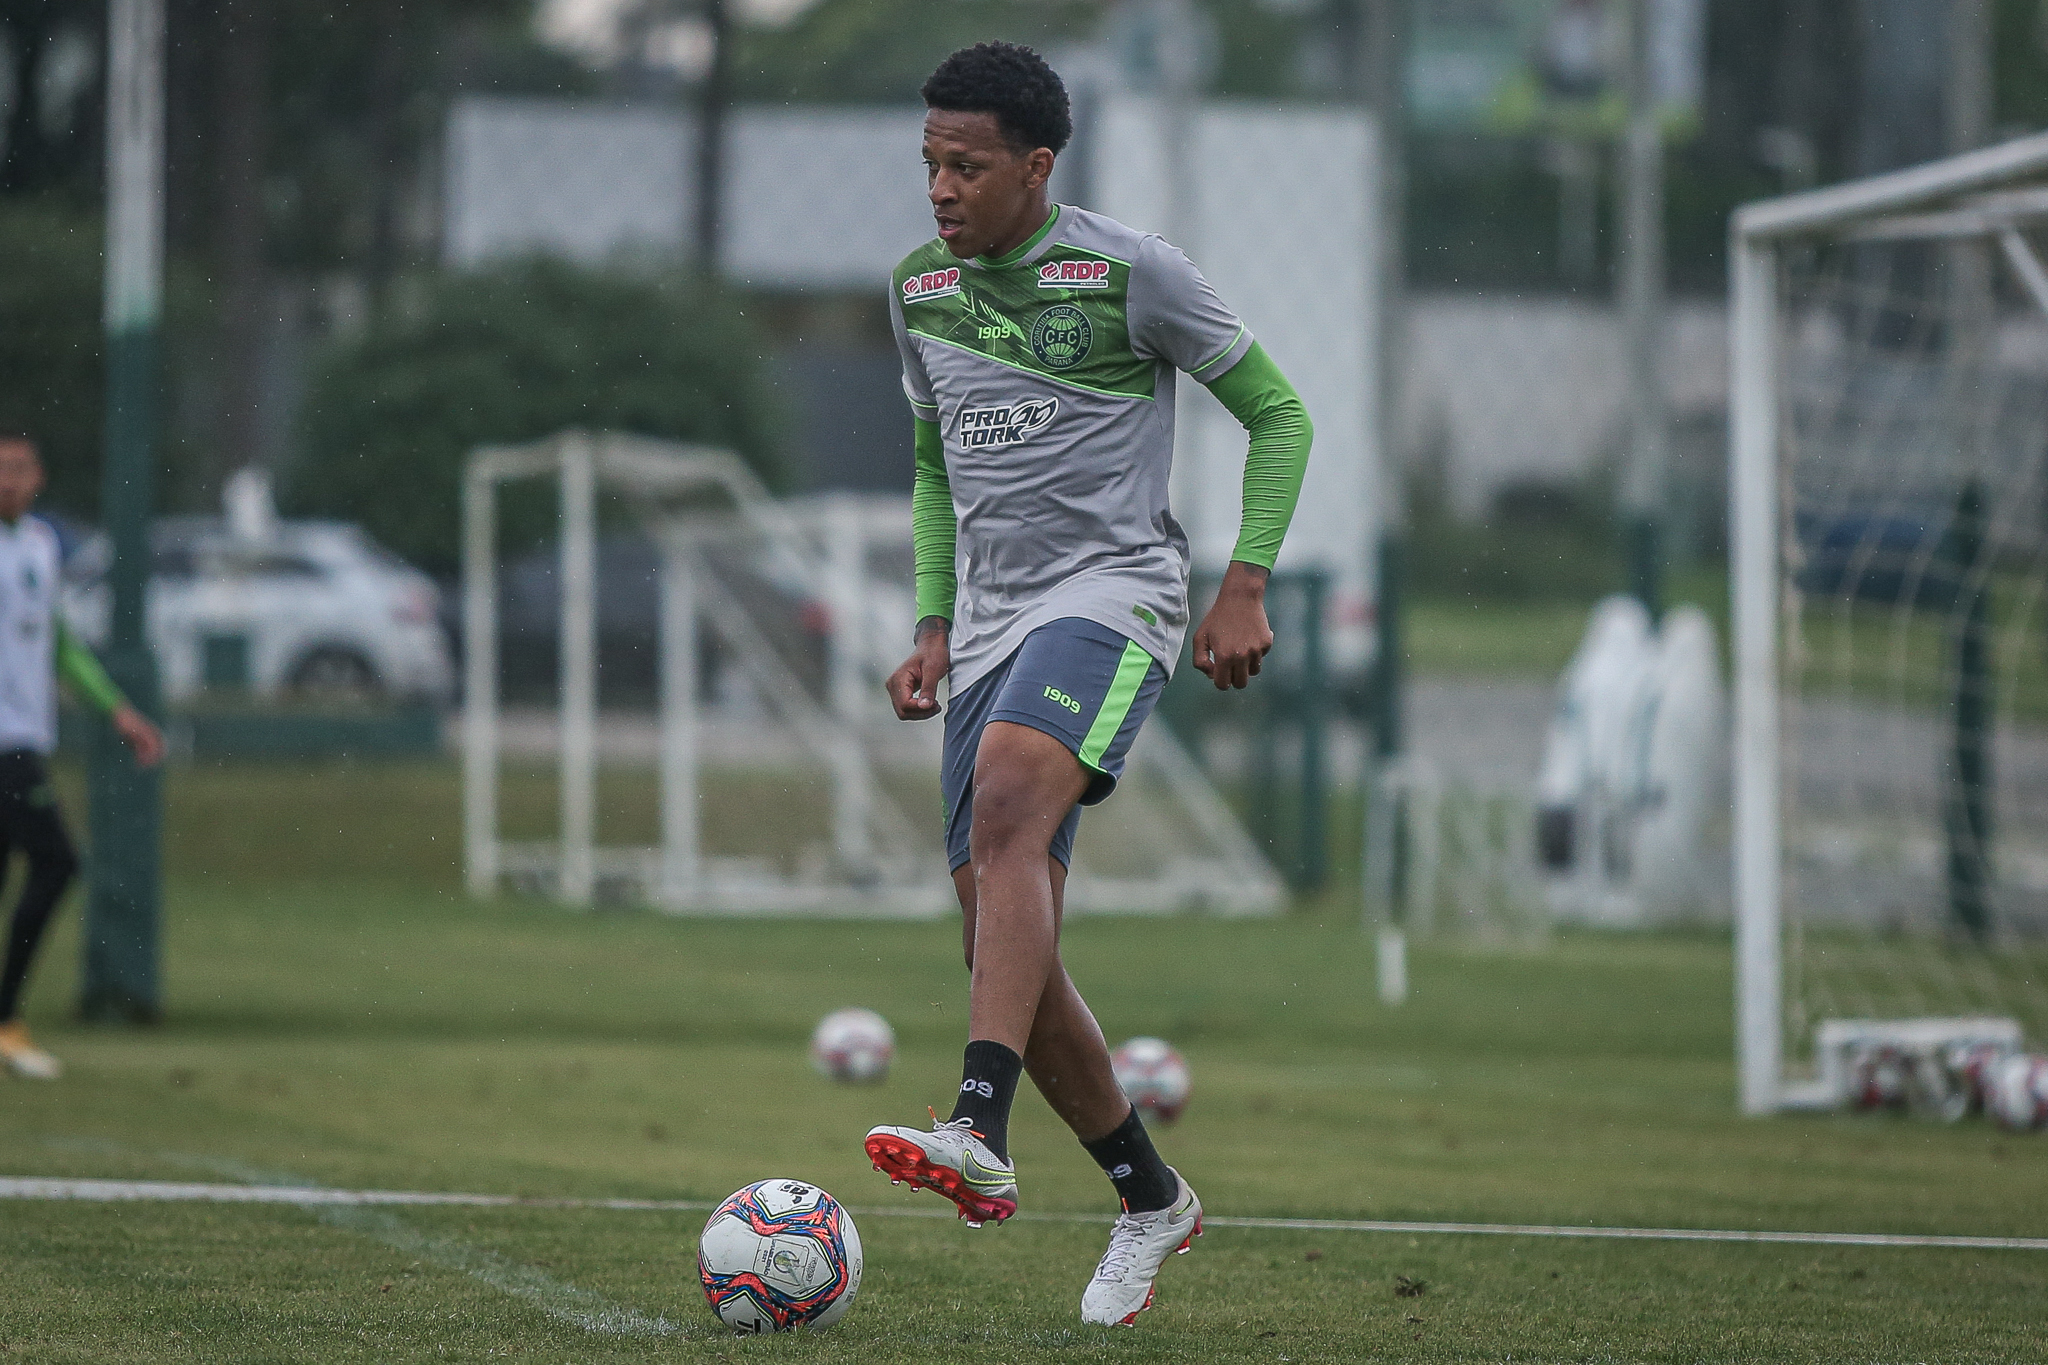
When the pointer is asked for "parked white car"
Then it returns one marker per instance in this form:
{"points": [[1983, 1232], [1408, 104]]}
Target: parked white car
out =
{"points": [[298, 608]]}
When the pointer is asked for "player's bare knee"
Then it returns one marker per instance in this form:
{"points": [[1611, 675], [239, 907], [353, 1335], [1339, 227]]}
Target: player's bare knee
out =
{"points": [[1021, 779], [1009, 825]]}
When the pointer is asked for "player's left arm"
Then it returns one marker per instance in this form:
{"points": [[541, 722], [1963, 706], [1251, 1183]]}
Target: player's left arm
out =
{"points": [[79, 669], [1233, 638]]}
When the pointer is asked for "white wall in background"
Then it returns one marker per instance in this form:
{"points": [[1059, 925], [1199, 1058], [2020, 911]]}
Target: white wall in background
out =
{"points": [[824, 198], [560, 176]]}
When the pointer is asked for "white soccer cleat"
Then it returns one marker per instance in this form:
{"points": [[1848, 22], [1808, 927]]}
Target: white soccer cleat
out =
{"points": [[1138, 1245], [951, 1160], [23, 1057]]}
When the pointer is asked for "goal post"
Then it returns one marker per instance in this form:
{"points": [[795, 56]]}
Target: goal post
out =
{"points": [[1888, 427]]}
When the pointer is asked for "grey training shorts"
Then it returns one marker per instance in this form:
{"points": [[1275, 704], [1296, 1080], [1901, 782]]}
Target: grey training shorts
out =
{"points": [[1078, 681]]}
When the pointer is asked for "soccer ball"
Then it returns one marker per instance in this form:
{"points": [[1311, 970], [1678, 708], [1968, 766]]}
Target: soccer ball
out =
{"points": [[1880, 1078], [778, 1255], [1969, 1067], [853, 1045], [2016, 1092], [1153, 1076]]}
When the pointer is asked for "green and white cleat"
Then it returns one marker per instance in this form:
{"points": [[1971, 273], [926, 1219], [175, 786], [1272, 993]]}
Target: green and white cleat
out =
{"points": [[1138, 1245], [951, 1160]]}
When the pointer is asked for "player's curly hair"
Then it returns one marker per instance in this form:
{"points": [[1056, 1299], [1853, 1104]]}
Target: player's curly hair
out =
{"points": [[1014, 83]]}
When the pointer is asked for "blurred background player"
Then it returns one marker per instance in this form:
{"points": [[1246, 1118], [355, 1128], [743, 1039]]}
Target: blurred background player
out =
{"points": [[1039, 346], [35, 650]]}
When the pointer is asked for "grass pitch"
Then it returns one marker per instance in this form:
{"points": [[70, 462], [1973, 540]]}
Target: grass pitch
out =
{"points": [[378, 1031]]}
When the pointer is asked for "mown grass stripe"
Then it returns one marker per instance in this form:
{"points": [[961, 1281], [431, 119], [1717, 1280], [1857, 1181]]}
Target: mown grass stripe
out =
{"points": [[165, 1191]]}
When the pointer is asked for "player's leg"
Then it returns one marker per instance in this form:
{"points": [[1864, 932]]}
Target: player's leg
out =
{"points": [[1023, 790], [1117, 685], [1023, 744], [30, 821], [1068, 1060], [964, 1157], [1065, 1056], [1026, 784]]}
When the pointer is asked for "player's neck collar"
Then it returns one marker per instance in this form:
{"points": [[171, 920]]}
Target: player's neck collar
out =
{"points": [[1030, 244]]}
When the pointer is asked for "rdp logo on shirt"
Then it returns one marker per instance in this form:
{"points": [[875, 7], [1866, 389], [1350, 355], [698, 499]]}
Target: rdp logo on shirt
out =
{"points": [[1074, 275], [1061, 337], [982, 428], [933, 284]]}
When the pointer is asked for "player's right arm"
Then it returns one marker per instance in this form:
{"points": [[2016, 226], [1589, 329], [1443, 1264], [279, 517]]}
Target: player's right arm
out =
{"points": [[934, 527]]}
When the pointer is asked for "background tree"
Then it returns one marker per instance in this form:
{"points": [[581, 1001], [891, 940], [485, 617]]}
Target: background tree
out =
{"points": [[514, 354]]}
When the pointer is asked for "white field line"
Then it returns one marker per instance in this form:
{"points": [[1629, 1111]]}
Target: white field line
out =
{"points": [[577, 1307], [124, 1191], [358, 1211]]}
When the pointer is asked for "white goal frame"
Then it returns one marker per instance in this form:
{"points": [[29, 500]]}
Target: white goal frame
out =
{"points": [[884, 861], [685, 496], [1984, 195]]}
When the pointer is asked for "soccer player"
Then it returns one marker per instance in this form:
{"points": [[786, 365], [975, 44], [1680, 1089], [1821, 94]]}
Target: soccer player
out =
{"points": [[35, 649], [1040, 344]]}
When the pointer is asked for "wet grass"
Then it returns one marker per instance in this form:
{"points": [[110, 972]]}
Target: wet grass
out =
{"points": [[374, 1034]]}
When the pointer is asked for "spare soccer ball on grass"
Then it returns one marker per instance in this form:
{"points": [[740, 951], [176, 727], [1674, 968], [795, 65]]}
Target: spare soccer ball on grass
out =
{"points": [[1153, 1077], [1880, 1078], [779, 1255], [1969, 1067], [853, 1045], [2016, 1092]]}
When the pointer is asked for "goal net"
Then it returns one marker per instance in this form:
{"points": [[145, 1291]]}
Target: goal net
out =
{"points": [[1889, 432]]}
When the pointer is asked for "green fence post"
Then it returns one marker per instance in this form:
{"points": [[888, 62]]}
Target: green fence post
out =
{"points": [[119, 982], [1312, 855]]}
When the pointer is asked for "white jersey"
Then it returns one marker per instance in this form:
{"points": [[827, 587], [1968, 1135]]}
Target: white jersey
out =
{"points": [[30, 564]]}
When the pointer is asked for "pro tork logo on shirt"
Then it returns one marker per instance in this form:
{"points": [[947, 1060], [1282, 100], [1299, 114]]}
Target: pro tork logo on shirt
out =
{"points": [[982, 428]]}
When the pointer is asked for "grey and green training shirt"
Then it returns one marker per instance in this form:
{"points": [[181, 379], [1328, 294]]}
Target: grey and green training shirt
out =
{"points": [[1043, 386]]}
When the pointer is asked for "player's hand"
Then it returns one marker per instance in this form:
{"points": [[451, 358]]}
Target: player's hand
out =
{"points": [[1233, 638], [138, 734], [914, 688]]}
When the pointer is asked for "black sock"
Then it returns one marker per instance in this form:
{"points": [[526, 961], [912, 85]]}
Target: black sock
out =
{"points": [[1143, 1181], [988, 1082]]}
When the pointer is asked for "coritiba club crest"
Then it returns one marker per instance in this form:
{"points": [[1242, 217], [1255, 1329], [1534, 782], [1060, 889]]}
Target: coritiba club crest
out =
{"points": [[1061, 336]]}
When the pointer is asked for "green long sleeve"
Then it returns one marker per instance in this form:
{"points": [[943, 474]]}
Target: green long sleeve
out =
{"points": [[80, 667], [933, 524], [1262, 400]]}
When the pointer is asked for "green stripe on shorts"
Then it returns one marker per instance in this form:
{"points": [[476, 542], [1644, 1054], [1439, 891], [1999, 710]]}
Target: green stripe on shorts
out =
{"points": [[1130, 676]]}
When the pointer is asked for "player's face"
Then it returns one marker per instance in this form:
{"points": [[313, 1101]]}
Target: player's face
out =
{"points": [[986, 196], [21, 478]]}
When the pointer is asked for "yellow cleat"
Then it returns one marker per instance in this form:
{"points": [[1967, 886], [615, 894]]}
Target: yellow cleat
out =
{"points": [[23, 1057]]}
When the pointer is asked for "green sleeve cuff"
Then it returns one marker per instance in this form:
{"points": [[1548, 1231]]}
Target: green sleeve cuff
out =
{"points": [[1266, 405], [80, 669], [933, 525]]}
